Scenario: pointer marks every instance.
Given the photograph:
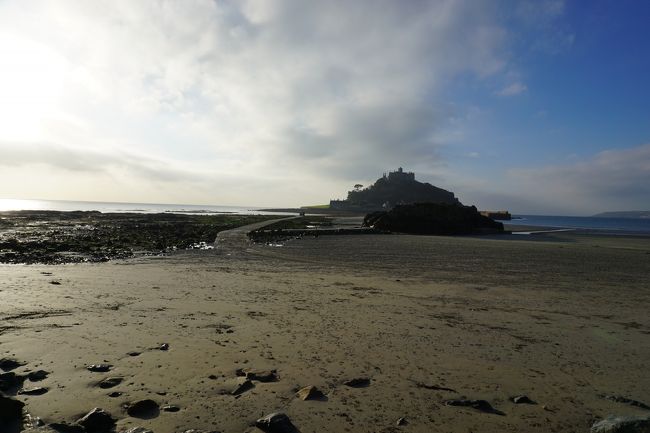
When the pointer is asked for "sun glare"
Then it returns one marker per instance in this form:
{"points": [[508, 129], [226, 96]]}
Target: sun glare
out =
{"points": [[31, 84]]}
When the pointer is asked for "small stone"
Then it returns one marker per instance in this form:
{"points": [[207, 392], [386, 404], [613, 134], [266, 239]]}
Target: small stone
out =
{"points": [[115, 394], [56, 283], [276, 423], [310, 393], [99, 368], [171, 408], [262, 375], [480, 405], [359, 382], [143, 409], [622, 424], [401, 421], [97, 421], [33, 391], [521, 399], [8, 364], [110, 382], [243, 387], [134, 353], [137, 430], [37, 376], [164, 346]]}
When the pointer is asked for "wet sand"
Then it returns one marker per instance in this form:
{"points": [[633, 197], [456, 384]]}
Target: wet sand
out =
{"points": [[562, 318]]}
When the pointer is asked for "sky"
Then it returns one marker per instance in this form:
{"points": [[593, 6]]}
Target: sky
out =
{"points": [[537, 106]]}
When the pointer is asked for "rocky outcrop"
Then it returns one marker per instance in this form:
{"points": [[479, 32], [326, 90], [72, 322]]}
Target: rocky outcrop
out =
{"points": [[433, 219], [622, 424]]}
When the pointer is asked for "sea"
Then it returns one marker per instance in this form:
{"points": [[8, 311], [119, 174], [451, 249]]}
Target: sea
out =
{"points": [[600, 224], [117, 207]]}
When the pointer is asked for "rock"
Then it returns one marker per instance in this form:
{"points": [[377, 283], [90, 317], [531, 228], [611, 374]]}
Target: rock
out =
{"points": [[310, 393], [37, 376], [171, 408], [110, 382], [9, 382], [62, 427], [11, 413], [359, 382], [480, 405], [401, 422], [243, 387], [97, 421], [33, 391], [521, 399], [276, 423], [56, 283], [164, 346], [625, 400], [8, 364], [40, 429], [99, 368], [115, 394], [134, 353], [145, 409], [622, 424], [137, 430], [32, 422], [262, 375], [433, 219]]}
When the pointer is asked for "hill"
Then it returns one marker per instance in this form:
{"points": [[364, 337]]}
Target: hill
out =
{"points": [[633, 214]]}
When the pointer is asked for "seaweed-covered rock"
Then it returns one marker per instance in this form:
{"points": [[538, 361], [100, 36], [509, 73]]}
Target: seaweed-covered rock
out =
{"points": [[433, 219]]}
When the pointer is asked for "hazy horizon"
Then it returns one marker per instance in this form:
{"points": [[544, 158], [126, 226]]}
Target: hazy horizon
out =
{"points": [[538, 107]]}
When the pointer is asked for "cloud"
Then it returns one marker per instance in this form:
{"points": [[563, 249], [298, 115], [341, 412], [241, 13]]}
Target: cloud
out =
{"points": [[513, 89], [610, 180]]}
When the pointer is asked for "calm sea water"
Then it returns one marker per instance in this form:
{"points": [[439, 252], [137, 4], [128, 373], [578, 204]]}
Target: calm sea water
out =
{"points": [[106, 207], [612, 225]]}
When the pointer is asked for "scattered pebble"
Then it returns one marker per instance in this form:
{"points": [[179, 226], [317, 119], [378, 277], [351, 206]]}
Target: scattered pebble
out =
{"points": [[115, 394], [97, 421], [359, 382], [310, 393], [99, 368], [171, 408], [110, 382], [164, 346], [401, 421], [143, 409], [56, 283], [521, 399], [276, 423], [134, 353]]}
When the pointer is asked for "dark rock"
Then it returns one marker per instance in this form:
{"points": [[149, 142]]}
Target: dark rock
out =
{"points": [[33, 391], [8, 364], [110, 382], [433, 219], [259, 375], [359, 382], [310, 393], [164, 346], [134, 353], [276, 423], [625, 400], [145, 409], [522, 399], [622, 424], [97, 421], [99, 368], [37, 376], [171, 408], [10, 382], [401, 422], [61, 427], [480, 405], [56, 283], [32, 422], [115, 394], [243, 387], [11, 413]]}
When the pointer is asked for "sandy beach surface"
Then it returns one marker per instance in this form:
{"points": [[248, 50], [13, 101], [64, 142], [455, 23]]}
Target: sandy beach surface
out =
{"points": [[420, 321]]}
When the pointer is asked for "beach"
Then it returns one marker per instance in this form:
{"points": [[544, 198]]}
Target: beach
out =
{"points": [[417, 324]]}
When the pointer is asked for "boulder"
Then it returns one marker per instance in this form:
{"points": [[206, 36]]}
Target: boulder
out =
{"points": [[8, 364], [97, 421], [276, 423], [310, 393], [622, 424], [433, 219], [110, 382], [10, 382], [145, 409], [11, 413], [37, 376]]}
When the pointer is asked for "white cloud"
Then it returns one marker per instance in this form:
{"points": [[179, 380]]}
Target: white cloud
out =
{"points": [[513, 89], [325, 92]]}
